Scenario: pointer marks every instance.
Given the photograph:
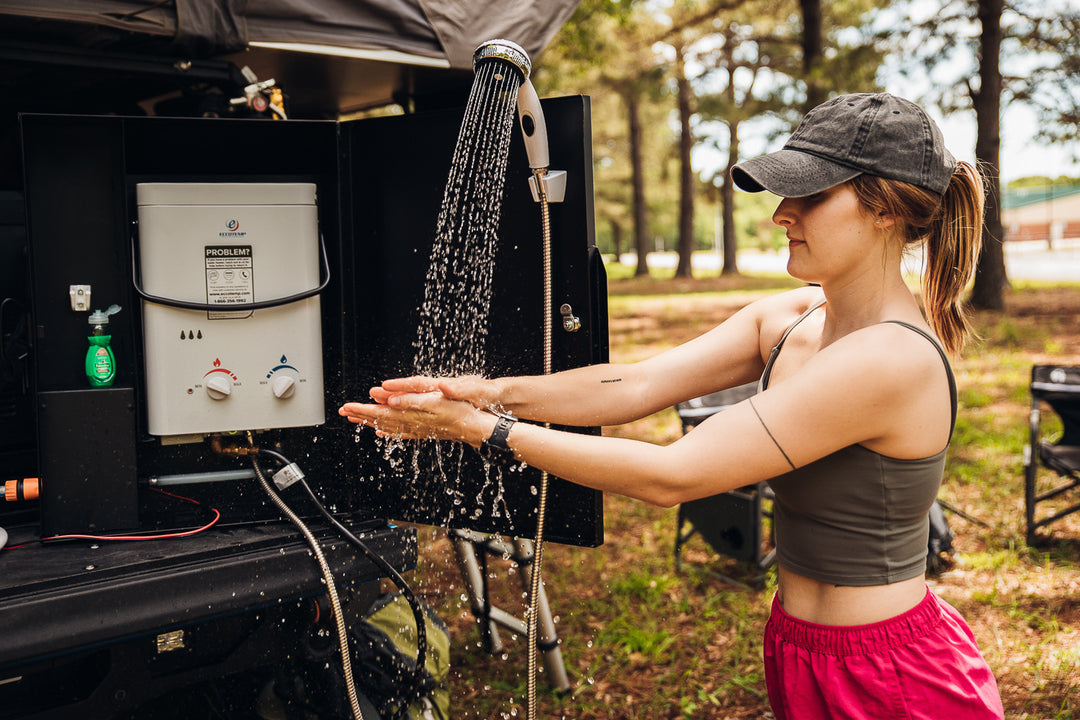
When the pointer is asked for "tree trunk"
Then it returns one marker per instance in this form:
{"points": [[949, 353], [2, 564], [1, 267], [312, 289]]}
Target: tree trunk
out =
{"points": [[988, 291], [685, 244], [637, 178], [616, 239], [812, 47], [727, 202]]}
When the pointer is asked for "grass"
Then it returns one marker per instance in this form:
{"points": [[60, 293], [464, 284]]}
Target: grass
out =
{"points": [[640, 640]]}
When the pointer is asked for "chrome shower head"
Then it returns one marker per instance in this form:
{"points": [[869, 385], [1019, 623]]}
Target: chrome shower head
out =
{"points": [[530, 114], [504, 50]]}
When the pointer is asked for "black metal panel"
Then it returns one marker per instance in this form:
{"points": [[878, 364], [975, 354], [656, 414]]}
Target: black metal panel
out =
{"points": [[81, 174], [397, 176], [80, 588], [17, 440], [82, 622], [86, 441], [77, 229]]}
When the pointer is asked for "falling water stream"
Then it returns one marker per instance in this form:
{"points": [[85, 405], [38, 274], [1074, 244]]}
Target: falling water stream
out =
{"points": [[453, 327], [452, 332], [453, 324]]}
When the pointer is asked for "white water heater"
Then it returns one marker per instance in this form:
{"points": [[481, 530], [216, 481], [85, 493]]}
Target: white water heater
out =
{"points": [[204, 247]]}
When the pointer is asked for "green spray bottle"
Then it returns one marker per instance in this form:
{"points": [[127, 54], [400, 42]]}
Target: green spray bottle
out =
{"points": [[100, 362]]}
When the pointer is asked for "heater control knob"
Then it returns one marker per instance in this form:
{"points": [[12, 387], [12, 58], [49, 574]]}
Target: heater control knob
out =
{"points": [[219, 387], [283, 386]]}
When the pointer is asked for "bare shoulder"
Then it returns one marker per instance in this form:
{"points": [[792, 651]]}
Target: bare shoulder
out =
{"points": [[883, 359], [895, 348], [891, 366], [774, 314], [883, 386], [795, 301]]}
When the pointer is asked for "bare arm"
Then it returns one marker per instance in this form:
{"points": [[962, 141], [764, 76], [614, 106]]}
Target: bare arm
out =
{"points": [[610, 394], [857, 390]]}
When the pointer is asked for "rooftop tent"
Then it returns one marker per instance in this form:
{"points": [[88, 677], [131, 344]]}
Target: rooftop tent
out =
{"points": [[330, 56]]}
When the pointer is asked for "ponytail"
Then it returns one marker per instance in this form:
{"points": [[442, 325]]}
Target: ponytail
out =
{"points": [[949, 226], [953, 243]]}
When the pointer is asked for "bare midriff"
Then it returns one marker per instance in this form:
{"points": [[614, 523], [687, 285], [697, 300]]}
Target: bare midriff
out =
{"points": [[829, 604]]}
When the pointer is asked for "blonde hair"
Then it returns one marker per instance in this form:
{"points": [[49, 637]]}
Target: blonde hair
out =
{"points": [[950, 225]]}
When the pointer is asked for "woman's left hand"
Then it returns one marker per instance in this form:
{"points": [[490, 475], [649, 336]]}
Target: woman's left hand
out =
{"points": [[422, 416]]}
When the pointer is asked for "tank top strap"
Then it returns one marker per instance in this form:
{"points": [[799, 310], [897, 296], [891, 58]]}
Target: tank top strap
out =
{"points": [[944, 358], [763, 381]]}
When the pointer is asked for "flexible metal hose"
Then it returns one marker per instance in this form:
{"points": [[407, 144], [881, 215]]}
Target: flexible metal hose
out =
{"points": [[541, 510], [335, 602]]}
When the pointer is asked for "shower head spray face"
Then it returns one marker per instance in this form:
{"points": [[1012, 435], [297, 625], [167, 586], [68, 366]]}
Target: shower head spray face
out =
{"points": [[506, 51]]}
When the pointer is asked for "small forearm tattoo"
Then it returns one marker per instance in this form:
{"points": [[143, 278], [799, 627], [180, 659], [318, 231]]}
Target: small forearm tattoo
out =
{"points": [[611, 380]]}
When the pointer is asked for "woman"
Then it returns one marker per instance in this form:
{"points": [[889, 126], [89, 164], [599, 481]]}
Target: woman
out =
{"points": [[856, 406]]}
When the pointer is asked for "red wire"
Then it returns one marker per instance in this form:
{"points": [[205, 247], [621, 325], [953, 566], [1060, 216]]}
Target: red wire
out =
{"points": [[163, 536]]}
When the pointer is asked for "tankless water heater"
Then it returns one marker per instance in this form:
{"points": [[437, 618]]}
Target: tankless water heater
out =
{"points": [[204, 249]]}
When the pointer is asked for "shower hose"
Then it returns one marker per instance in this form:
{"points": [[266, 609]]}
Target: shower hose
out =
{"points": [[541, 510]]}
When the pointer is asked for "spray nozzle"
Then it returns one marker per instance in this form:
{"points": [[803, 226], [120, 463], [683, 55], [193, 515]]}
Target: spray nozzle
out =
{"points": [[99, 317], [547, 185], [506, 51], [530, 115]]}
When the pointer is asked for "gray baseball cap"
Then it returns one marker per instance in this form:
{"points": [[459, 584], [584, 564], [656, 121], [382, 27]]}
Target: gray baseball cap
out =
{"points": [[872, 133]]}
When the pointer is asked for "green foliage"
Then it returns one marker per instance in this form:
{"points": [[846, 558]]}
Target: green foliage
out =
{"points": [[1061, 182], [633, 638]]}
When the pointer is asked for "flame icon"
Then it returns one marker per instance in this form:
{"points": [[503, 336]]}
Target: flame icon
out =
{"points": [[232, 225], [217, 362]]}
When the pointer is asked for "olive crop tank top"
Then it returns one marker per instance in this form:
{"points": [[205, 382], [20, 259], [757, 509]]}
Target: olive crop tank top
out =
{"points": [[856, 517]]}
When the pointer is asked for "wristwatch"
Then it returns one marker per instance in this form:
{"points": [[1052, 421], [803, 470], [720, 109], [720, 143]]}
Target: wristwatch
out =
{"points": [[495, 449]]}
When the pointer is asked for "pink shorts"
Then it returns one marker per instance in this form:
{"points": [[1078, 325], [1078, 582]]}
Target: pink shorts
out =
{"points": [[921, 664]]}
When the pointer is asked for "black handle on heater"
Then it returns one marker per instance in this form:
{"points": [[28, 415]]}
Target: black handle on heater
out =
{"points": [[324, 271]]}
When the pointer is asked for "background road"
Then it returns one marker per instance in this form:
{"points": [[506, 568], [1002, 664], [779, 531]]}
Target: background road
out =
{"points": [[1023, 261]]}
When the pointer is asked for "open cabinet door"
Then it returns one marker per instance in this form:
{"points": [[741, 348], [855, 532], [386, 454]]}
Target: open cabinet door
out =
{"points": [[395, 176]]}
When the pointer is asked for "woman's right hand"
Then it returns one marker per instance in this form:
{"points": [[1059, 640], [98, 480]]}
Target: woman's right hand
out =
{"points": [[474, 389]]}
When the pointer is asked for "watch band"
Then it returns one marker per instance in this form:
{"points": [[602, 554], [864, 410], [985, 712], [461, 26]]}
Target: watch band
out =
{"points": [[495, 448]]}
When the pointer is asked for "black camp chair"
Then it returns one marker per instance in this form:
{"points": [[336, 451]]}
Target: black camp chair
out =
{"points": [[1058, 387], [732, 523]]}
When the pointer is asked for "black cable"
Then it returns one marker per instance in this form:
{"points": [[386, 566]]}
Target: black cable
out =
{"points": [[331, 587], [231, 307], [384, 566]]}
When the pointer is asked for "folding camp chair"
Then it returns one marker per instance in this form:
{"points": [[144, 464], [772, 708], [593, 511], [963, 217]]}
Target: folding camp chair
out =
{"points": [[1058, 387], [730, 522]]}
